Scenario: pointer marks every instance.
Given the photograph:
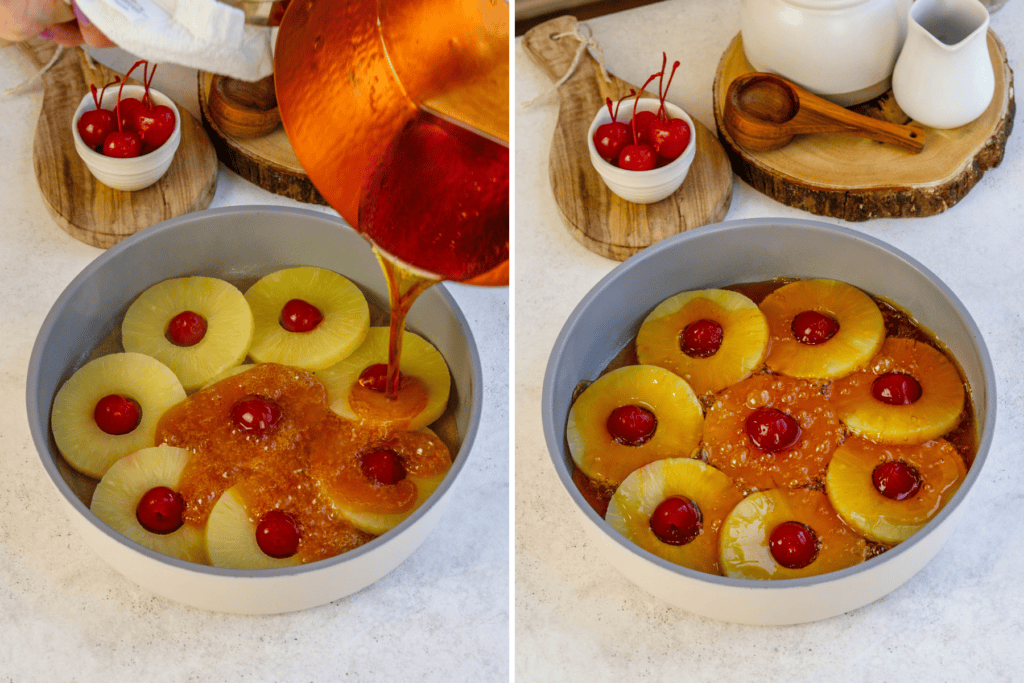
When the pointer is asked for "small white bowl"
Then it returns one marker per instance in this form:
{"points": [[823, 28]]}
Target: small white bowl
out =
{"points": [[128, 174], [643, 187]]}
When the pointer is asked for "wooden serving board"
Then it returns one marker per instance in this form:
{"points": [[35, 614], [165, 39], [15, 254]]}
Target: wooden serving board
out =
{"points": [[85, 208], [600, 220], [268, 161], [857, 179]]}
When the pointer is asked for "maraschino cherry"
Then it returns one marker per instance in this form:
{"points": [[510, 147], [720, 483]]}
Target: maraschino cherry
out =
{"points": [[161, 510], [123, 142], [383, 466], [375, 378], [96, 124], [631, 425], [793, 545], [896, 480], [278, 534], [676, 521], [186, 329], [701, 339], [638, 156], [116, 414], [300, 316], [255, 415], [669, 136], [812, 327], [610, 138], [772, 430], [896, 389], [154, 124]]}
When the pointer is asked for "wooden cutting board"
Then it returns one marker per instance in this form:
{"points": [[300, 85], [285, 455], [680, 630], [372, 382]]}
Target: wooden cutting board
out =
{"points": [[857, 179], [268, 161], [600, 220], [85, 208]]}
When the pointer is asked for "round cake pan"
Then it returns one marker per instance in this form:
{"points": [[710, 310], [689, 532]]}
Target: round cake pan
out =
{"points": [[239, 244], [753, 250]]}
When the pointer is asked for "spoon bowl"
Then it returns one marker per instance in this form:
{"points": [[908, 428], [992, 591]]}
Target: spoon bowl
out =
{"points": [[764, 112]]}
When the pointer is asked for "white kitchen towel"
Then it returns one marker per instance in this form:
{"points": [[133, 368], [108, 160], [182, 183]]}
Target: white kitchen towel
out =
{"points": [[201, 34]]}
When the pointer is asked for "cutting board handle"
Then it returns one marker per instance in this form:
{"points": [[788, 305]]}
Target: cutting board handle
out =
{"points": [[554, 52]]}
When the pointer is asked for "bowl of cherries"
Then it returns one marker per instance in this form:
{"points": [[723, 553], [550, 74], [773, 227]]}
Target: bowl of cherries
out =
{"points": [[643, 151], [127, 135]]}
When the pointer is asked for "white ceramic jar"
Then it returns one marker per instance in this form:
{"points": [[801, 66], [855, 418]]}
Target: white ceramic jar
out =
{"points": [[844, 50]]}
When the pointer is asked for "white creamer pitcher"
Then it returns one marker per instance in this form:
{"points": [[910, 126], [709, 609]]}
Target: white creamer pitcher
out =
{"points": [[944, 77]]}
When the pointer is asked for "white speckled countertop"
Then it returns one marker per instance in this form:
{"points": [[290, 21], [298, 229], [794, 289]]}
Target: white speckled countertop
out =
{"points": [[577, 618], [442, 615]]}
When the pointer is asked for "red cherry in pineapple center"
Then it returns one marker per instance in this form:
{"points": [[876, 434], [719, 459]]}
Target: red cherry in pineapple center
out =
{"points": [[383, 467], [161, 510], [116, 414], [255, 415], [375, 378], [277, 534], [186, 329], [701, 339], [772, 430], [676, 521], [896, 480], [793, 545], [812, 327], [300, 316], [631, 425], [896, 389]]}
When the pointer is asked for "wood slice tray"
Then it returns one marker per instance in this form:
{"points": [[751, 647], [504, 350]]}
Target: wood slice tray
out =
{"points": [[82, 206], [600, 220], [268, 161], [857, 179]]}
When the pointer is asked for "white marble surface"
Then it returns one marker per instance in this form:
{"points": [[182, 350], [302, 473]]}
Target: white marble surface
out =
{"points": [[576, 618], [442, 615]]}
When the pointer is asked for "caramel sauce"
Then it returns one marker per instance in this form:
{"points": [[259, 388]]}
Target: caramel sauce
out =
{"points": [[410, 399], [898, 323], [335, 463], [309, 450]]}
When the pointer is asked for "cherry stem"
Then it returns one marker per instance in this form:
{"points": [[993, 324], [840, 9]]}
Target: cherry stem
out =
{"points": [[152, 75], [117, 108], [661, 79], [669, 85], [636, 140], [608, 101], [619, 103], [92, 88]]}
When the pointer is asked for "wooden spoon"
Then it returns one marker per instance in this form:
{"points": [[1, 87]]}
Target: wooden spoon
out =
{"points": [[764, 111]]}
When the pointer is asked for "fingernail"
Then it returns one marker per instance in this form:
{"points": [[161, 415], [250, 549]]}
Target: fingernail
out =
{"points": [[82, 19], [46, 34]]}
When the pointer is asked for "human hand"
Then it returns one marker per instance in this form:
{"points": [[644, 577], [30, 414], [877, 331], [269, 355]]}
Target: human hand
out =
{"points": [[51, 19]]}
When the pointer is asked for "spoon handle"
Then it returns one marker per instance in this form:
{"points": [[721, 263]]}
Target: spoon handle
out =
{"points": [[818, 115]]}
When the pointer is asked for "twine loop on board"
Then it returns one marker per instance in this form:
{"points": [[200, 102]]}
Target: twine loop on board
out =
{"points": [[586, 41]]}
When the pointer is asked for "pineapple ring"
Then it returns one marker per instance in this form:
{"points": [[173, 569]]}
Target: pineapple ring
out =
{"points": [[141, 378], [230, 372], [231, 536], [860, 335], [346, 318], [118, 494], [853, 494], [730, 449], [374, 508], [743, 540], [636, 499], [937, 412], [668, 396], [228, 333], [744, 337], [419, 402]]}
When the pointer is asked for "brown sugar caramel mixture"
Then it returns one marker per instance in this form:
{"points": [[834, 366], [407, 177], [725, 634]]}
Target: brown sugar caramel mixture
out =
{"points": [[759, 473], [275, 468]]}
